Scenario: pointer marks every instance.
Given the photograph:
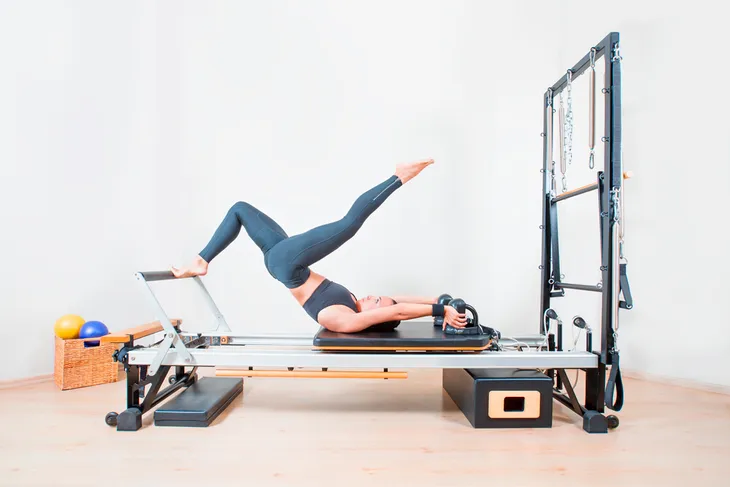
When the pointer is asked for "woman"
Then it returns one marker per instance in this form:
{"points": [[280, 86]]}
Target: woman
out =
{"points": [[288, 259]]}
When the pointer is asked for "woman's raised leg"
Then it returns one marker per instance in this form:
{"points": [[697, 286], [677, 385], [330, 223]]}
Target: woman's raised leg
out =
{"points": [[300, 251], [263, 230]]}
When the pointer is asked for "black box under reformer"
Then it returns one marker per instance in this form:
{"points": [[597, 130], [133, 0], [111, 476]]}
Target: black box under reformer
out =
{"points": [[501, 398], [201, 403]]}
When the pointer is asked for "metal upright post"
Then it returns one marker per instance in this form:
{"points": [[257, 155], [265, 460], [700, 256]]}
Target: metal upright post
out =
{"points": [[612, 181], [545, 265]]}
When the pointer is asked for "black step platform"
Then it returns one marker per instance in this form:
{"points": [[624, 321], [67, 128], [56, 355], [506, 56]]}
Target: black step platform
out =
{"points": [[501, 398], [409, 335], [201, 403]]}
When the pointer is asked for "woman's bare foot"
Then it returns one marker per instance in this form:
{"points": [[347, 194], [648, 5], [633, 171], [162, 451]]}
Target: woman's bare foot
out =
{"points": [[199, 267], [410, 170]]}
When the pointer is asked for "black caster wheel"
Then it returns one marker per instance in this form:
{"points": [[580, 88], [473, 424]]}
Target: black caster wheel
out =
{"points": [[111, 419], [612, 421]]}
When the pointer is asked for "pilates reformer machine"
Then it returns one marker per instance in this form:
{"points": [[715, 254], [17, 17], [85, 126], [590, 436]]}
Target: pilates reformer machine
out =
{"points": [[496, 381]]}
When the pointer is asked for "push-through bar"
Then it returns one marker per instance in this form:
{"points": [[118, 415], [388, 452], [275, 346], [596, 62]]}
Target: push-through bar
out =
{"points": [[582, 190], [579, 287]]}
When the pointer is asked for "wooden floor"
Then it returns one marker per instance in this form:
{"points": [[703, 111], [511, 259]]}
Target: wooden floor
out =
{"points": [[360, 432]]}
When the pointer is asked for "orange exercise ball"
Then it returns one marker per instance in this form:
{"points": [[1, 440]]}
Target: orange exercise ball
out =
{"points": [[68, 326]]}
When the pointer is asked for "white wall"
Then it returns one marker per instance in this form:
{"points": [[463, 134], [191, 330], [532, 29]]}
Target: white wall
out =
{"points": [[675, 143], [127, 130]]}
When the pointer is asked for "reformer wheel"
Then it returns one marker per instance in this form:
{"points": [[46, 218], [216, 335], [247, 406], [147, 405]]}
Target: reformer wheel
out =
{"points": [[612, 421], [191, 380], [111, 418]]}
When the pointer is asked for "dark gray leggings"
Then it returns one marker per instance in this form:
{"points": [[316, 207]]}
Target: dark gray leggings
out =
{"points": [[288, 258]]}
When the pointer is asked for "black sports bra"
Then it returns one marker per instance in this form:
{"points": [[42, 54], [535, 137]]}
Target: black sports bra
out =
{"points": [[327, 294]]}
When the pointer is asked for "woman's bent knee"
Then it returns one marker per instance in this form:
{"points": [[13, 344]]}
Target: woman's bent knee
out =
{"points": [[239, 206]]}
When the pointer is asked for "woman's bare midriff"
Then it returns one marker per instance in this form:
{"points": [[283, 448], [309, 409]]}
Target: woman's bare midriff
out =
{"points": [[305, 291]]}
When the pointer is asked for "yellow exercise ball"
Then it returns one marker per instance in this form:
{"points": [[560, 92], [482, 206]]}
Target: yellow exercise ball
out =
{"points": [[68, 326]]}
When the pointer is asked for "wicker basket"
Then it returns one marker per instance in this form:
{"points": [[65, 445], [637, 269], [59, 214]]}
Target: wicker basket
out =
{"points": [[78, 366]]}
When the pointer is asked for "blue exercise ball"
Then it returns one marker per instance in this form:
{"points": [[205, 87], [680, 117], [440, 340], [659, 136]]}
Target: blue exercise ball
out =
{"points": [[92, 329]]}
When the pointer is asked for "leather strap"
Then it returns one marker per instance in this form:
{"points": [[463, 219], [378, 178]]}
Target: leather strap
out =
{"points": [[614, 382], [628, 301]]}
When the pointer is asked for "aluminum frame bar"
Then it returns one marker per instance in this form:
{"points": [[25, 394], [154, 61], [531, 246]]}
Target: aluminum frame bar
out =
{"points": [[220, 321], [277, 340], [236, 357], [307, 340]]}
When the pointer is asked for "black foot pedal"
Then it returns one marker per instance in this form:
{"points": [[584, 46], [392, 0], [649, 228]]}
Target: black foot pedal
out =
{"points": [[201, 403], [129, 420]]}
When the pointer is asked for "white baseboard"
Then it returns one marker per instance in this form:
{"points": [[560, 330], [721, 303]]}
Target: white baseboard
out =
{"points": [[26, 381], [673, 381]]}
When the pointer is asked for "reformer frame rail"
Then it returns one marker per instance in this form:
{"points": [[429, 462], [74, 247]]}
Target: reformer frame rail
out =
{"points": [[236, 357]]}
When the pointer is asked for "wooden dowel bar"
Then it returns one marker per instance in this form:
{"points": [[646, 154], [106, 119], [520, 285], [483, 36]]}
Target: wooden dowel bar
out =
{"points": [[583, 189], [579, 287], [311, 374]]}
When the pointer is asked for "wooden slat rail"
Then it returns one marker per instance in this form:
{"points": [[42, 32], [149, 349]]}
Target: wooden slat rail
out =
{"points": [[137, 332], [312, 374]]}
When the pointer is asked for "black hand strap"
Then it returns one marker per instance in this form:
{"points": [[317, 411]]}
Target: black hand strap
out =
{"points": [[614, 382], [628, 301]]}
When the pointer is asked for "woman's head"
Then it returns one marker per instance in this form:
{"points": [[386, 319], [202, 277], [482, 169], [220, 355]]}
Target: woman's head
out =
{"points": [[373, 302]]}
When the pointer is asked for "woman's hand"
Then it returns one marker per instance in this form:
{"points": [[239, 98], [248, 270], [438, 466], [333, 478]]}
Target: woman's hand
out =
{"points": [[453, 318]]}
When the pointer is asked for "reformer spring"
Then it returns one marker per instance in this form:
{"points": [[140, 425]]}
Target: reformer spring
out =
{"points": [[592, 110], [549, 136], [566, 133]]}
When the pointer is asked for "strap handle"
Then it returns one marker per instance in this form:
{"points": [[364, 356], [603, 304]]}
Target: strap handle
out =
{"points": [[614, 382], [628, 301]]}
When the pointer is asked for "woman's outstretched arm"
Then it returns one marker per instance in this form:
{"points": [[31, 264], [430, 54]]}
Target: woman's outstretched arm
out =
{"points": [[348, 322], [415, 299]]}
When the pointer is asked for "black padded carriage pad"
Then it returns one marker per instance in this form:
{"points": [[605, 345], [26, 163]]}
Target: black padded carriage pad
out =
{"points": [[409, 335], [200, 403]]}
